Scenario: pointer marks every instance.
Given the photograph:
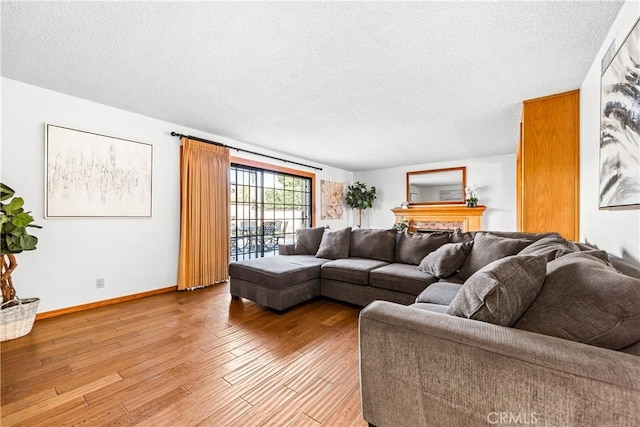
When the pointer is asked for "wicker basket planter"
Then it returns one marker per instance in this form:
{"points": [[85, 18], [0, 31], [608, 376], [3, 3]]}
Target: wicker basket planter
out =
{"points": [[17, 320]]}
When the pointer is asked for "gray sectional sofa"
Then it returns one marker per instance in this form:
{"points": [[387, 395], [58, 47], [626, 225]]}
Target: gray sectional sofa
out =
{"points": [[355, 266], [471, 329], [361, 265]]}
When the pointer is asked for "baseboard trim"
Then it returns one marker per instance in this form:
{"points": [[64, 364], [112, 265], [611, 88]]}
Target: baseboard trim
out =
{"points": [[83, 307]]}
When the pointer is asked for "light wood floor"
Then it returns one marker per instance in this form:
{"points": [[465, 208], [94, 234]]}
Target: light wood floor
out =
{"points": [[186, 358]]}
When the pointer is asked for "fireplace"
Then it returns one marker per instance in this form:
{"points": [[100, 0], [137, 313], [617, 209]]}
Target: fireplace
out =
{"points": [[441, 217]]}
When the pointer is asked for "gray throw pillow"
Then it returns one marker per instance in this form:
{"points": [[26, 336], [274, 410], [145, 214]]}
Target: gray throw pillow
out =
{"points": [[412, 247], [501, 292], [488, 248], [551, 247], [459, 236], [585, 299], [372, 244], [335, 244], [308, 241], [446, 260]]}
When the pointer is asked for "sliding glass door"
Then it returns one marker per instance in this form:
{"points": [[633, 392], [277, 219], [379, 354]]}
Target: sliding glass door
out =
{"points": [[267, 208]]}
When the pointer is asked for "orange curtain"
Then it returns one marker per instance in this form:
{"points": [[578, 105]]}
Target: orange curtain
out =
{"points": [[204, 215]]}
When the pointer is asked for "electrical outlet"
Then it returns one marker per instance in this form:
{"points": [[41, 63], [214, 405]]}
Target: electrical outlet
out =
{"points": [[99, 283]]}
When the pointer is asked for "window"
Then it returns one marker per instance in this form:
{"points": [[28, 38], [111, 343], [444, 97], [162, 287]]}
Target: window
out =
{"points": [[267, 208]]}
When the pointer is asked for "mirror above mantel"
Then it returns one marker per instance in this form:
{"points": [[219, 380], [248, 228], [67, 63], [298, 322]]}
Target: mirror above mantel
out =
{"points": [[436, 186]]}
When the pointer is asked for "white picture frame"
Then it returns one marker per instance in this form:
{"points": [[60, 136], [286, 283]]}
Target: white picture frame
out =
{"points": [[619, 170], [92, 175]]}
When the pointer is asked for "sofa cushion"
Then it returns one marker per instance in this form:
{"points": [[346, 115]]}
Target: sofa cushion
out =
{"points": [[436, 308], [447, 259], [551, 247], [277, 271], [352, 270], [488, 248], [405, 278], [625, 267], [308, 241], [459, 236], [335, 244], [501, 292], [372, 244], [412, 247], [439, 293], [585, 299]]}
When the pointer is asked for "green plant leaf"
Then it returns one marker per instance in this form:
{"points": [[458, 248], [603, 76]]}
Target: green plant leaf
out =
{"points": [[13, 207], [28, 242], [22, 220], [6, 192]]}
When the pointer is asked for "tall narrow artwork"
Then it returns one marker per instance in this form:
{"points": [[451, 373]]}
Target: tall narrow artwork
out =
{"points": [[332, 202], [92, 175], [620, 126]]}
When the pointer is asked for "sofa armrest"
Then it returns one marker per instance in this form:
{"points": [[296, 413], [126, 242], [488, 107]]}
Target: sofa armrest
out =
{"points": [[423, 368], [286, 249]]}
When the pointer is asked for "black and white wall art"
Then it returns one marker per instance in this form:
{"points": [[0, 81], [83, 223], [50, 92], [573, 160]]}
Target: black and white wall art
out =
{"points": [[92, 175], [620, 126]]}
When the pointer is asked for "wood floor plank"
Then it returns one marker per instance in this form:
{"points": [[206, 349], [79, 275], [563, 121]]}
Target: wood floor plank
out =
{"points": [[288, 412], [330, 400], [260, 411], [41, 407], [227, 414], [303, 420], [347, 411], [185, 359]]}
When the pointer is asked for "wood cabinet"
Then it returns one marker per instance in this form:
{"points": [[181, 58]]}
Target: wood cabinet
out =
{"points": [[548, 162]]}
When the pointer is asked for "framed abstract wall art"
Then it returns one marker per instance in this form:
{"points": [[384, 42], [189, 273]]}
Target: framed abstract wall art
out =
{"points": [[93, 175], [620, 126], [332, 202]]}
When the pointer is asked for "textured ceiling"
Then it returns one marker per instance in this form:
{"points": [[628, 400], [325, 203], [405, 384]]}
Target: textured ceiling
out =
{"points": [[356, 85]]}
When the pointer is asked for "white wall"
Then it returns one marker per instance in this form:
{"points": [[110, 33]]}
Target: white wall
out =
{"points": [[133, 255], [617, 231], [496, 175]]}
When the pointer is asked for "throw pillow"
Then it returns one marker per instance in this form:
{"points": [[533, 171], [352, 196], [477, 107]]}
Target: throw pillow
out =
{"points": [[551, 247], [488, 248], [308, 241], [458, 236], [412, 247], [335, 244], [372, 244], [446, 260], [501, 292], [585, 299]]}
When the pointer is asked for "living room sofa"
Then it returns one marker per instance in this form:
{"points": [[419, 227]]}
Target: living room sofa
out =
{"points": [[356, 266], [571, 359]]}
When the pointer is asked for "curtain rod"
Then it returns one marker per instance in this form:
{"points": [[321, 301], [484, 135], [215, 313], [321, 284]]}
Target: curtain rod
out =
{"points": [[179, 135]]}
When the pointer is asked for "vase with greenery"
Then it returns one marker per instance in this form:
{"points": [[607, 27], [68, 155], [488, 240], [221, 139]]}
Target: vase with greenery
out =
{"points": [[472, 195], [360, 197], [401, 225], [14, 239]]}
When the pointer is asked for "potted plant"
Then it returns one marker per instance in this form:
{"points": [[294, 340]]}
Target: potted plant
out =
{"points": [[360, 197], [472, 196], [401, 225], [16, 315]]}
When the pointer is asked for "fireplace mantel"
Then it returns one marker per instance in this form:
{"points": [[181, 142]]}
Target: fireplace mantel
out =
{"points": [[441, 217]]}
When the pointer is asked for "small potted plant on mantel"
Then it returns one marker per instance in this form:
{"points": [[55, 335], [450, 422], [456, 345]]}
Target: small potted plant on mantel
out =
{"points": [[360, 197], [472, 195], [16, 315]]}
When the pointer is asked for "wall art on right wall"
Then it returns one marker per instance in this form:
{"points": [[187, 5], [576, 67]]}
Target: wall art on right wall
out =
{"points": [[620, 126]]}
